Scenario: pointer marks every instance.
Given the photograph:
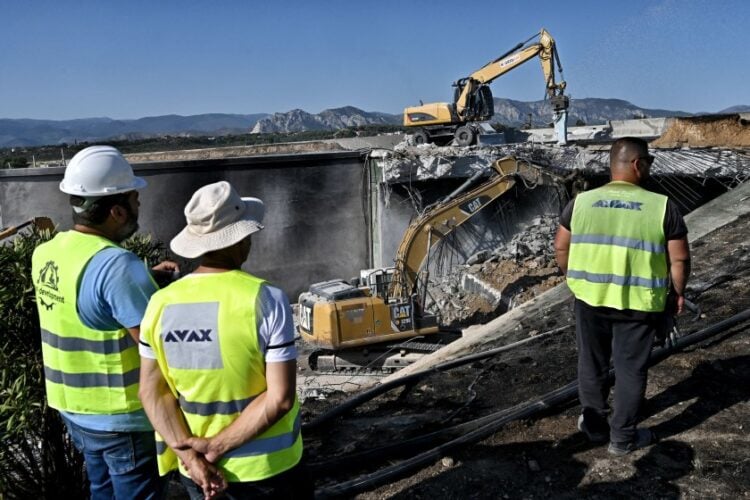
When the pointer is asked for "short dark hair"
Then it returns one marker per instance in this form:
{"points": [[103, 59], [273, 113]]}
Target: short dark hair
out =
{"points": [[96, 212], [627, 146]]}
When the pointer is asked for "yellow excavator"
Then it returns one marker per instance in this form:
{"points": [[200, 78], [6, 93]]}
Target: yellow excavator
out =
{"points": [[364, 324], [473, 103]]}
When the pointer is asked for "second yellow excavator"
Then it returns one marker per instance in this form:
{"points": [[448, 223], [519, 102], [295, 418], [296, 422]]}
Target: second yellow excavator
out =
{"points": [[473, 103], [353, 324]]}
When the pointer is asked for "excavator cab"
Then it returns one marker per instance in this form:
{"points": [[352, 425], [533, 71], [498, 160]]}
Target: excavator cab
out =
{"points": [[481, 105], [377, 280]]}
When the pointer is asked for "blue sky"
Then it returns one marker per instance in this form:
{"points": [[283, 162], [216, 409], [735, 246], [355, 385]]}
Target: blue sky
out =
{"points": [[128, 59]]}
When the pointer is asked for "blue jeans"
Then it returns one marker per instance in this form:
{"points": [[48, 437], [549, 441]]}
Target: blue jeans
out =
{"points": [[119, 464]]}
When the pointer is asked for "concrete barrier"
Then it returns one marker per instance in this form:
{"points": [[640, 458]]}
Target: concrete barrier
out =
{"points": [[315, 227]]}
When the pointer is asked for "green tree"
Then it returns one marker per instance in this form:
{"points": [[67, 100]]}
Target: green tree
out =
{"points": [[15, 162]]}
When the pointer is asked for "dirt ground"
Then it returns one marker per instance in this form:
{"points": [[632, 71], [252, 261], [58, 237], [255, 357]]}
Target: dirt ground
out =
{"points": [[518, 282], [697, 404]]}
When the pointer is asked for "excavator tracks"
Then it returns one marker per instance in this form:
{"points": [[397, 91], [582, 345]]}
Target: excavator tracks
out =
{"points": [[377, 359]]}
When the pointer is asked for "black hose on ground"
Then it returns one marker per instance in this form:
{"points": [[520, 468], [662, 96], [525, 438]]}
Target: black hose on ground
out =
{"points": [[660, 354], [419, 442], [372, 393], [525, 410]]}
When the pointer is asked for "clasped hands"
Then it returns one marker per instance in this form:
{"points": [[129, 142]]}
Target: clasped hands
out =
{"points": [[199, 458]]}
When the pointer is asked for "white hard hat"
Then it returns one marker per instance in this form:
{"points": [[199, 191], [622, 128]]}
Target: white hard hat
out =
{"points": [[99, 171]]}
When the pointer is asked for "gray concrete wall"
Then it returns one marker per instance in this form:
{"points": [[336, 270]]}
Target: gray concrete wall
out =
{"points": [[315, 220]]}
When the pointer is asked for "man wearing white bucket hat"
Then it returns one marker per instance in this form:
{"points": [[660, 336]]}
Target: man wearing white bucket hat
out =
{"points": [[91, 295], [219, 362]]}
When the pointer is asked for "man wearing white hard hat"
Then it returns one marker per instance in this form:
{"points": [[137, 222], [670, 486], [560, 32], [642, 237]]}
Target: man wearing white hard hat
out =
{"points": [[220, 384], [91, 295]]}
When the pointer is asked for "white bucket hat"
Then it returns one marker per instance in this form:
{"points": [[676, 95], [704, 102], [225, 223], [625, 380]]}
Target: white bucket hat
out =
{"points": [[217, 217]]}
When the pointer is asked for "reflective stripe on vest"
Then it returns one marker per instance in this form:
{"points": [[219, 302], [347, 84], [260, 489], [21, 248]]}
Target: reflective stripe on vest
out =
{"points": [[86, 371], [202, 329], [214, 407], [618, 249], [107, 380], [262, 446], [259, 446], [618, 241], [103, 346], [619, 280]]}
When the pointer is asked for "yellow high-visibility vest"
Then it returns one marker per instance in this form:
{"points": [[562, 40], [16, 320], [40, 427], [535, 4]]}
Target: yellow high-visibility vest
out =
{"points": [[203, 332], [86, 371], [618, 252]]}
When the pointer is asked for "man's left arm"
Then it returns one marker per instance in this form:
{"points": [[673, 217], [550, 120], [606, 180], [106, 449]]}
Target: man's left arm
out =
{"points": [[126, 288], [562, 237], [165, 272], [678, 252], [562, 248], [678, 258]]}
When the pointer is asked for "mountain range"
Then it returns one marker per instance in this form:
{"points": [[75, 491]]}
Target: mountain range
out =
{"points": [[28, 132]]}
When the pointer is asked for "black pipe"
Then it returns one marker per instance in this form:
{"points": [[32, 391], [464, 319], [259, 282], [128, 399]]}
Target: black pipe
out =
{"points": [[372, 393], [524, 410], [660, 354], [395, 449]]}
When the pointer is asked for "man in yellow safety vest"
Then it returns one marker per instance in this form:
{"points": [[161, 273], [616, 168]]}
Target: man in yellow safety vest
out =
{"points": [[219, 362], [622, 249], [91, 295]]}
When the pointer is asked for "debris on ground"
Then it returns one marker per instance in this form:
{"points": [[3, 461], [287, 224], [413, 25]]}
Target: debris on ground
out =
{"points": [[494, 281], [696, 403]]}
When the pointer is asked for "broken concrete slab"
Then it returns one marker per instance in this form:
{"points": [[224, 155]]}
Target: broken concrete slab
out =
{"points": [[507, 327], [383, 141], [718, 212], [647, 128], [407, 164]]}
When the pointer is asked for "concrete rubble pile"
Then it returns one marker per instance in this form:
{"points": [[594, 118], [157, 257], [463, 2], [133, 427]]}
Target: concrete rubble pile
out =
{"points": [[490, 281], [408, 163], [535, 243]]}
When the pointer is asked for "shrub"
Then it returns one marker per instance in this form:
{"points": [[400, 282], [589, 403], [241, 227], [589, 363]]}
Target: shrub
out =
{"points": [[37, 459]]}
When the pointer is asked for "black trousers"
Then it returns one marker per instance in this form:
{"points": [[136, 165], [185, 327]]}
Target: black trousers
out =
{"points": [[626, 337]]}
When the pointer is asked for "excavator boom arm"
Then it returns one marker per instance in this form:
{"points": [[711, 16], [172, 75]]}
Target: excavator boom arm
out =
{"points": [[545, 49], [438, 222]]}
